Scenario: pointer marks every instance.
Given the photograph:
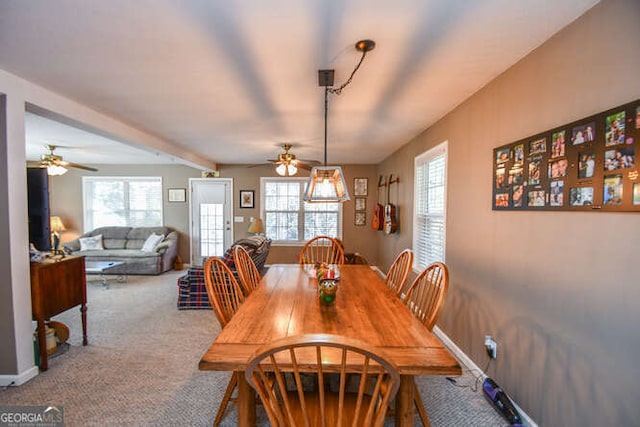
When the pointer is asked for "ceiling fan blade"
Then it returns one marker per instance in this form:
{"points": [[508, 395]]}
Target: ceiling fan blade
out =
{"points": [[35, 164], [77, 166], [302, 165]]}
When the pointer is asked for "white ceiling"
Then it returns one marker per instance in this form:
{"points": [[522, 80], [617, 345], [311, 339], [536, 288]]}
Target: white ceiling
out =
{"points": [[233, 80]]}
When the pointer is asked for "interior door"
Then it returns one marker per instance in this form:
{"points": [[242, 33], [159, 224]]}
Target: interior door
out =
{"points": [[211, 210]]}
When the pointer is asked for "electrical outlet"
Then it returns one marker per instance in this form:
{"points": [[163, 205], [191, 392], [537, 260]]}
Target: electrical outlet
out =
{"points": [[491, 346]]}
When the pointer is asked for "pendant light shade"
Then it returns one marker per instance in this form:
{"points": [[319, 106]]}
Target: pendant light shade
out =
{"points": [[327, 183]]}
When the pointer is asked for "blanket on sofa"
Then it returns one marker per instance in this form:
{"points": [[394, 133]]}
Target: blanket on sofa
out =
{"points": [[192, 292]]}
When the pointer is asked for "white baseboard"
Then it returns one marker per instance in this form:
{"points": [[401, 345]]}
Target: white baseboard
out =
{"points": [[470, 364], [11, 380]]}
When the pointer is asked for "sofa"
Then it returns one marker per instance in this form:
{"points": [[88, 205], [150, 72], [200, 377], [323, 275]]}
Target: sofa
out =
{"points": [[192, 293], [144, 250]]}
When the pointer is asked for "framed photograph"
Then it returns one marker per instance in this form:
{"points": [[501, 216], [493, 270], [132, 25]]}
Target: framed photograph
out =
{"points": [[502, 155], [583, 133], [636, 193], [538, 146], [361, 203], [502, 200], [613, 189], [614, 129], [557, 144], [246, 199], [177, 194], [361, 218], [586, 164], [360, 186], [581, 196]]}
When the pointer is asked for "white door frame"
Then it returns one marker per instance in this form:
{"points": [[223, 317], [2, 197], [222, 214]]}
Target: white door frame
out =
{"points": [[228, 213]]}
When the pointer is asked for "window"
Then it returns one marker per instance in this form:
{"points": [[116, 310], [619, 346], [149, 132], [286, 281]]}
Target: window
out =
{"points": [[288, 219], [430, 191], [127, 201]]}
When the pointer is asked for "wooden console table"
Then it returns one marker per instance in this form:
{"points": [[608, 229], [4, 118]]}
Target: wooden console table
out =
{"points": [[56, 286]]}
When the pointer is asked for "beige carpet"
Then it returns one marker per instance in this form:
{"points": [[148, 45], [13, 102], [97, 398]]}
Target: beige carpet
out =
{"points": [[141, 366]]}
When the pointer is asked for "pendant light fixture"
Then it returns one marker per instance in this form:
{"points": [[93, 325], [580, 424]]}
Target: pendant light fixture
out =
{"points": [[327, 183]]}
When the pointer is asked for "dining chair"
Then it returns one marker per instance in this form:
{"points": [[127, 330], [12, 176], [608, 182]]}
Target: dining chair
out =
{"points": [[226, 297], [246, 268], [322, 249], [425, 299], [399, 271], [289, 404]]}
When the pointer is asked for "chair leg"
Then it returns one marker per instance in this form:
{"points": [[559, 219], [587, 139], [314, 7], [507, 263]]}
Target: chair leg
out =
{"points": [[417, 400], [233, 383]]}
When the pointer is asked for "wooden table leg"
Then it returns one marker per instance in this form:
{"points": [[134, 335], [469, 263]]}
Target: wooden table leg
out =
{"points": [[42, 345], [83, 314], [246, 403], [404, 401]]}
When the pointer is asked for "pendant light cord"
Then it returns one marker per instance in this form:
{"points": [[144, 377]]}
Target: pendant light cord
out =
{"points": [[326, 110], [338, 90]]}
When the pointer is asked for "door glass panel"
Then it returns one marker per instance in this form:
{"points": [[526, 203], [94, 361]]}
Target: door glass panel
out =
{"points": [[211, 229]]}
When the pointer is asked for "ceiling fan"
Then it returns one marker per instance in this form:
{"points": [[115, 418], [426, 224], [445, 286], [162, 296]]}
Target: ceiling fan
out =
{"points": [[54, 163], [288, 164]]}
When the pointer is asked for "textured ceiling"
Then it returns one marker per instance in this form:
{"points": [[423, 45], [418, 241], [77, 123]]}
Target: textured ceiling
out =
{"points": [[233, 80]]}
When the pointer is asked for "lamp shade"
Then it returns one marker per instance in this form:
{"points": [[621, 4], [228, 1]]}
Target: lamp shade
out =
{"points": [[256, 226], [326, 184], [56, 224]]}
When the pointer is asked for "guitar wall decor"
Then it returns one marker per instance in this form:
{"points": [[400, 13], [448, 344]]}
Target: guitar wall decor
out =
{"points": [[378, 211], [390, 224]]}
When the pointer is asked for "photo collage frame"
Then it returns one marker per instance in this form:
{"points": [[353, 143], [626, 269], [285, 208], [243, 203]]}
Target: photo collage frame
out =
{"points": [[586, 165]]}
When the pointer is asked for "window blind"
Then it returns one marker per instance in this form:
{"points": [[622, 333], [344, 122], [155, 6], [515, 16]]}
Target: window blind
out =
{"points": [[288, 219], [430, 206], [124, 201]]}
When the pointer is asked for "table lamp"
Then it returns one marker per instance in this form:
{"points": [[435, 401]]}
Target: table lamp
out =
{"points": [[256, 227], [56, 226]]}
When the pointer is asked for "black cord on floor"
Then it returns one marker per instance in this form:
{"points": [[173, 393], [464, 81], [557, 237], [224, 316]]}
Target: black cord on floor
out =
{"points": [[478, 377]]}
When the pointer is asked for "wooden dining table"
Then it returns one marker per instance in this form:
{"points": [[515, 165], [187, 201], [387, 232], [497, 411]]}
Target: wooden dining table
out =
{"points": [[286, 303]]}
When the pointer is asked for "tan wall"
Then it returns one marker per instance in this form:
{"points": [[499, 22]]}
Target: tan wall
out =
{"points": [[558, 290], [65, 194], [361, 239]]}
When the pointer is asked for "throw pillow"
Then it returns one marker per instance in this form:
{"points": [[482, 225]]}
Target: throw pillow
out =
{"points": [[91, 243], [151, 242]]}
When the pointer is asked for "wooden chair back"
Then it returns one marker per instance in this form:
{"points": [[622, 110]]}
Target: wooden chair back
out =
{"points": [[318, 354], [399, 271], [225, 294], [246, 268], [426, 294], [322, 249]]}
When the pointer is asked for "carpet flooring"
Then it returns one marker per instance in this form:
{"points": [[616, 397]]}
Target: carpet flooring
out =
{"points": [[141, 367]]}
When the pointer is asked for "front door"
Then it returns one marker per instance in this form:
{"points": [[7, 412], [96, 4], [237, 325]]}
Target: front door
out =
{"points": [[211, 210]]}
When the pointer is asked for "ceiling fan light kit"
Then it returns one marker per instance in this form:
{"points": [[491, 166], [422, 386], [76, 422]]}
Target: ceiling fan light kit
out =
{"points": [[327, 183], [55, 165]]}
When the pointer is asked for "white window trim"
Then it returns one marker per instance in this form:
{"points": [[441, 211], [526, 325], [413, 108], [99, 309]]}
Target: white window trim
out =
{"points": [[300, 243], [86, 179], [440, 149]]}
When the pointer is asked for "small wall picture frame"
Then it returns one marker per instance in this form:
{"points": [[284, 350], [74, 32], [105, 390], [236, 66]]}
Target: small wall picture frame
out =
{"points": [[360, 218], [246, 199], [361, 203], [360, 186], [177, 195]]}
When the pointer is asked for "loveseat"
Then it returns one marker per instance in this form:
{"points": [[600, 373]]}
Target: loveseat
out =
{"points": [[192, 293], [144, 250]]}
